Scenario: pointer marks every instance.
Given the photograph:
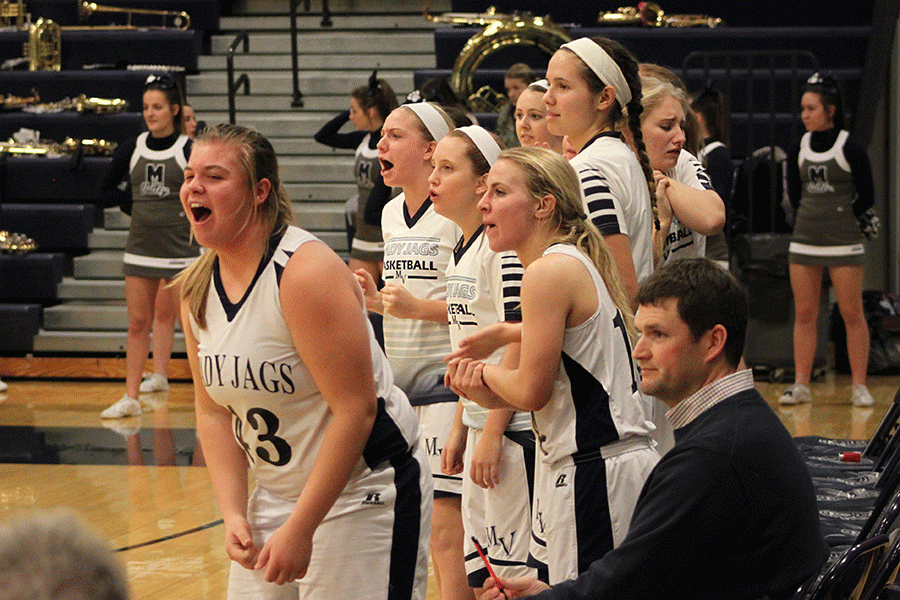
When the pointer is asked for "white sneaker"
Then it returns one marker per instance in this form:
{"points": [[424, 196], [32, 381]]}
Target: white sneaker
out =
{"points": [[126, 407], [796, 394], [3, 386], [860, 395], [154, 382]]}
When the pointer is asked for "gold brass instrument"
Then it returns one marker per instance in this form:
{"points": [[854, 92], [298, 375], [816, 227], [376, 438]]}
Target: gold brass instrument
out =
{"points": [[650, 14], [518, 29], [485, 18], [12, 13], [180, 19], [43, 46], [10, 102], [16, 243], [89, 147]]}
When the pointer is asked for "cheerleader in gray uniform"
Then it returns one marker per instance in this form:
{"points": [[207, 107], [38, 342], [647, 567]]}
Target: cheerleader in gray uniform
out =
{"points": [[159, 240], [830, 185], [369, 107]]}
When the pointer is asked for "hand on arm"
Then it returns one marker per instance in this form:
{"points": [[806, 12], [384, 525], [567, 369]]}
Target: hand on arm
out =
{"points": [[700, 210], [484, 342]]}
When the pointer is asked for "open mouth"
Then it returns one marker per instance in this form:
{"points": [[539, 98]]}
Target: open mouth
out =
{"points": [[386, 165], [200, 212]]}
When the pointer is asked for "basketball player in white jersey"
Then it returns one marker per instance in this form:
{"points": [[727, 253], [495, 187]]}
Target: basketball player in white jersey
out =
{"points": [[342, 502], [575, 372]]}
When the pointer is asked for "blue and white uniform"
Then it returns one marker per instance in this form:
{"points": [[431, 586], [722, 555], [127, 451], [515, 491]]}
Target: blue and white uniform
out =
{"points": [[682, 242], [483, 288], [616, 197], [417, 250], [594, 449], [249, 364]]}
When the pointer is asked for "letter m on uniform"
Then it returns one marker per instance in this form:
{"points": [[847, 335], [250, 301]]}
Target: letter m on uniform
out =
{"points": [[156, 172], [818, 174]]}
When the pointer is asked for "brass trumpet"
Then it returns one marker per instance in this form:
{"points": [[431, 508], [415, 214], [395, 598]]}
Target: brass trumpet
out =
{"points": [[180, 19], [651, 14]]}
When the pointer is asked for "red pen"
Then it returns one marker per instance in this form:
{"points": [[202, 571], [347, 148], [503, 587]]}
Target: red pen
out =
{"points": [[488, 565]]}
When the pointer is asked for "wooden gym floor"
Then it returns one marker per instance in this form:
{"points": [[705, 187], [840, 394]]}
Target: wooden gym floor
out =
{"points": [[133, 479]]}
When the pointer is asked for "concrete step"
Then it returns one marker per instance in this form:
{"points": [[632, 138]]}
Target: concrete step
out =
{"points": [[107, 239], [331, 42], [330, 104], [90, 342], [341, 6], [275, 62], [99, 264], [87, 316], [91, 289], [312, 83], [340, 22], [289, 125]]}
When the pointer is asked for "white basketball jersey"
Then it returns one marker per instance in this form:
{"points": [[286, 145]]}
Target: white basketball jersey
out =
{"points": [[682, 242], [483, 288], [417, 249], [616, 197], [249, 365], [596, 400]]}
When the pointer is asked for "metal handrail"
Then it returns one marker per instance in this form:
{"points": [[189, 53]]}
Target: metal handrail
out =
{"points": [[297, 99], [233, 85]]}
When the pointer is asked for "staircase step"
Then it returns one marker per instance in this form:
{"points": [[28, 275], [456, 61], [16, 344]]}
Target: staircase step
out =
{"points": [[276, 62], [331, 42], [108, 239], [312, 83], [99, 264], [83, 316], [352, 22], [90, 342], [91, 289]]}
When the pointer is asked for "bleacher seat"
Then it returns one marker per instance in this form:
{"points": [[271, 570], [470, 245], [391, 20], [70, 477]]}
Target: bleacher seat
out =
{"points": [[54, 180], [89, 47], [113, 127], [56, 227], [19, 324], [53, 86], [31, 277]]}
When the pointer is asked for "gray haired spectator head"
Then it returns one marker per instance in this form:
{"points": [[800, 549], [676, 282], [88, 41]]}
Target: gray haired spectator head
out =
{"points": [[53, 555]]}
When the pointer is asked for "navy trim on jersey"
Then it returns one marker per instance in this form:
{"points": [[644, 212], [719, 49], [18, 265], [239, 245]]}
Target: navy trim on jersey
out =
{"points": [[525, 439], [612, 134], [511, 274], [407, 525], [412, 220], [594, 425], [232, 309], [385, 441], [460, 250], [593, 525]]}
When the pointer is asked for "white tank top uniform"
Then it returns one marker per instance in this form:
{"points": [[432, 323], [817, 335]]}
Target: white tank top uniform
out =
{"points": [[483, 288], [417, 250], [593, 434], [681, 241], [249, 364], [616, 197]]}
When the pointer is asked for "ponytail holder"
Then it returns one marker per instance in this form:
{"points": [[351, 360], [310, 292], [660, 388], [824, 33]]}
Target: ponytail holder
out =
{"points": [[373, 83], [483, 141], [602, 65], [431, 118]]}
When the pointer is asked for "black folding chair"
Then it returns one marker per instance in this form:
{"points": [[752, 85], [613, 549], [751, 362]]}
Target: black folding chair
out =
{"points": [[850, 574], [886, 574]]}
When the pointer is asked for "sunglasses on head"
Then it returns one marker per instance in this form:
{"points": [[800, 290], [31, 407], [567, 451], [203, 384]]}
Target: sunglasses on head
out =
{"points": [[163, 82]]}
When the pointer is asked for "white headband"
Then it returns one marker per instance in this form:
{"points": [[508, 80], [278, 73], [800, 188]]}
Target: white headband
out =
{"points": [[602, 65], [540, 83], [431, 118], [483, 141]]}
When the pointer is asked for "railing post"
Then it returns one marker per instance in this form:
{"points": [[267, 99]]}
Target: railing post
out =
{"points": [[233, 85]]}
